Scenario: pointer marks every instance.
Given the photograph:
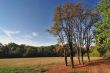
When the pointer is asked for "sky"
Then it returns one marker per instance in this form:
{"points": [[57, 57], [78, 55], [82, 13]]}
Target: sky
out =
{"points": [[26, 21]]}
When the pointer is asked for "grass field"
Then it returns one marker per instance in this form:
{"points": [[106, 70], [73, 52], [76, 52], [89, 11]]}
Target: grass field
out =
{"points": [[38, 65], [28, 65]]}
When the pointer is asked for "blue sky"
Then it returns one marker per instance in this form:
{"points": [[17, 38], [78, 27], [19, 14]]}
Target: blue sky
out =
{"points": [[26, 21]]}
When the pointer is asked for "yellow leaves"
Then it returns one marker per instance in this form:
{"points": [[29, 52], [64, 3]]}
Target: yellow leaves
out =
{"points": [[58, 47], [69, 18]]}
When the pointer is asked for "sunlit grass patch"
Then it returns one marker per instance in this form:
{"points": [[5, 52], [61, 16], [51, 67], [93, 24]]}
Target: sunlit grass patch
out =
{"points": [[16, 70], [39, 69]]}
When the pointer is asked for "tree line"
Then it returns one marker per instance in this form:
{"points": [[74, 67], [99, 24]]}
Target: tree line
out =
{"points": [[13, 50]]}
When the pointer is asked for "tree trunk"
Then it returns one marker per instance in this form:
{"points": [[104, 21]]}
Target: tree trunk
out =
{"points": [[65, 56], [79, 55], [88, 53], [88, 47], [71, 54], [82, 55], [71, 57]]}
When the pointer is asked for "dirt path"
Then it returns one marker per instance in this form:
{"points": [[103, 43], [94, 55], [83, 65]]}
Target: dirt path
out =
{"points": [[96, 66]]}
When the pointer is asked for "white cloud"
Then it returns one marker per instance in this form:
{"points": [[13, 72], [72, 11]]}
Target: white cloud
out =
{"points": [[10, 36], [34, 34], [9, 33]]}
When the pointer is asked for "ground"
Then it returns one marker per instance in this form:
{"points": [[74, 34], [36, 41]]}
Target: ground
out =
{"points": [[53, 65]]}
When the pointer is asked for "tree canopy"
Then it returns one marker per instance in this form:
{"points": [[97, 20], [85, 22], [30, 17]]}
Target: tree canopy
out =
{"points": [[102, 34]]}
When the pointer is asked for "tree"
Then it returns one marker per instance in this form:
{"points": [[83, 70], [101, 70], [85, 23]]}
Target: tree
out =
{"points": [[62, 27], [83, 29], [12, 47], [102, 34]]}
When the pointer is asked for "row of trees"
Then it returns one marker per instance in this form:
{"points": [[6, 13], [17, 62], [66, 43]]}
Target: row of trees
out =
{"points": [[15, 50], [73, 24]]}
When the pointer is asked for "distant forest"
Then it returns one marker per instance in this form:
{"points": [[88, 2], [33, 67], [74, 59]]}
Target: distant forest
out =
{"points": [[13, 50]]}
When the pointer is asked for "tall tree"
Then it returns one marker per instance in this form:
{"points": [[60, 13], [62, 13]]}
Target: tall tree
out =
{"points": [[91, 18], [103, 27], [63, 26], [57, 30]]}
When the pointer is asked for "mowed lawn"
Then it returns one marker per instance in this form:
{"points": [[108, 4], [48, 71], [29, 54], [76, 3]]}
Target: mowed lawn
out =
{"points": [[34, 65]]}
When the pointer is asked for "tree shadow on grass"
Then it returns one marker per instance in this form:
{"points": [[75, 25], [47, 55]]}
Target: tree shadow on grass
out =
{"points": [[99, 62], [93, 63]]}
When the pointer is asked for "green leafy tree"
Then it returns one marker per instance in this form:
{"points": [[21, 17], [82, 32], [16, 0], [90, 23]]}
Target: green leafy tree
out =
{"points": [[103, 27]]}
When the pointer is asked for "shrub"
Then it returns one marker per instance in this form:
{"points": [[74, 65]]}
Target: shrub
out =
{"points": [[95, 53], [107, 54]]}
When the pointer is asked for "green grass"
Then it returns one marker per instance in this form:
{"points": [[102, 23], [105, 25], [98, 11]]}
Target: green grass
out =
{"points": [[39, 69]]}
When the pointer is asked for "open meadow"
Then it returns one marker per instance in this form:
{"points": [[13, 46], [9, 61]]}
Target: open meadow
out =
{"points": [[52, 65], [54, 36]]}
